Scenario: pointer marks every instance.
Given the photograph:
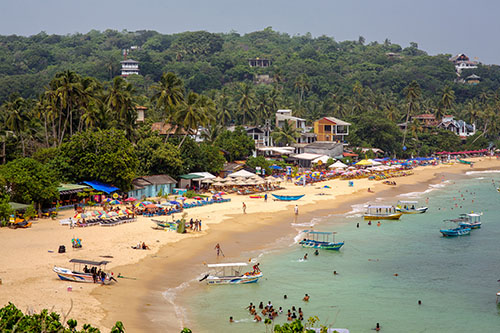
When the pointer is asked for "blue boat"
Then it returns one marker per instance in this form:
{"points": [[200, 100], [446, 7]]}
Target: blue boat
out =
{"points": [[287, 197], [460, 231], [312, 240], [473, 221]]}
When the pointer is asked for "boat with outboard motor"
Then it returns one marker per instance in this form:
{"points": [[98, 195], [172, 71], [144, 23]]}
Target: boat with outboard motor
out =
{"points": [[77, 274], [312, 240], [381, 213], [230, 273], [410, 207], [460, 231]]}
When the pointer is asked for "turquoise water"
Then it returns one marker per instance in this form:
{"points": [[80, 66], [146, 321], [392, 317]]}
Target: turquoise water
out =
{"points": [[455, 278]]}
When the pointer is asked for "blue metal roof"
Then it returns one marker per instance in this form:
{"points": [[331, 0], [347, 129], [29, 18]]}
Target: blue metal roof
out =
{"points": [[101, 186]]}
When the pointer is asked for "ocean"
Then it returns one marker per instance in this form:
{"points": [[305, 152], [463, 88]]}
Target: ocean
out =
{"points": [[383, 271]]}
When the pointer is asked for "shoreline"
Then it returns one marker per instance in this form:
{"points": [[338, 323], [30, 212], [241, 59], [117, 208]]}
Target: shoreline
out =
{"points": [[248, 237]]}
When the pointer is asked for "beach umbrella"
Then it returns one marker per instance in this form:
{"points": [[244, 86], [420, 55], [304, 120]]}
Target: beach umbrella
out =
{"points": [[104, 215], [197, 198], [140, 204], [151, 205], [113, 214], [182, 198], [173, 202], [219, 179], [130, 199], [167, 204], [115, 202], [221, 193], [147, 202], [81, 216], [218, 184], [207, 181]]}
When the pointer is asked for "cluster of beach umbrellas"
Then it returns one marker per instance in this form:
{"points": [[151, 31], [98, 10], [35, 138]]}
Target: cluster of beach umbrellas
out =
{"points": [[243, 181], [462, 152]]}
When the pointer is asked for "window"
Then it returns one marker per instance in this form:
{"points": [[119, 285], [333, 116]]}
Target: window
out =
{"points": [[328, 128]]}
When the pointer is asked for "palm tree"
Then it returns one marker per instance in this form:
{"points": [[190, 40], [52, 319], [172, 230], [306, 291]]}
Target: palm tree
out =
{"points": [[447, 98], [245, 98], [302, 85], [168, 93], [119, 100], [17, 118], [413, 93], [196, 110], [285, 135]]}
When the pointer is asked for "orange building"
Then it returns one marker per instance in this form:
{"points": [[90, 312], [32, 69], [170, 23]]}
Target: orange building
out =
{"points": [[331, 129]]}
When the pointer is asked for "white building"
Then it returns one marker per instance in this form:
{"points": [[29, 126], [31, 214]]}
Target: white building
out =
{"points": [[283, 116], [461, 61], [129, 67], [459, 127]]}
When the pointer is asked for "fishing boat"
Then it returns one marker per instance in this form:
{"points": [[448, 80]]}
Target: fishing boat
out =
{"points": [[320, 240], [230, 273], [410, 207], [381, 213], [77, 274], [287, 197], [454, 232], [472, 220], [465, 162]]}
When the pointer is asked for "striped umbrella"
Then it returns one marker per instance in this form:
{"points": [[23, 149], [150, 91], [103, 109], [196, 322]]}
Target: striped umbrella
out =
{"points": [[115, 202], [81, 216]]}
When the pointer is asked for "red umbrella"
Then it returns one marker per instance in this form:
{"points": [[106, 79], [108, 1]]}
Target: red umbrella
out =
{"points": [[150, 206], [130, 199]]}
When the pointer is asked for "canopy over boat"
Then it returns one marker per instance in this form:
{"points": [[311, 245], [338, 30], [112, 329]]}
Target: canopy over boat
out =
{"points": [[237, 264], [408, 202], [319, 232], [371, 206], [89, 262]]}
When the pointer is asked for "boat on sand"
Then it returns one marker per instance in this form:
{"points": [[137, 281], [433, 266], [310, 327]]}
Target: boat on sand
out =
{"points": [[77, 274], [287, 197]]}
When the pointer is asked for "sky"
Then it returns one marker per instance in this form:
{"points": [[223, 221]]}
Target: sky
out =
{"points": [[438, 26]]}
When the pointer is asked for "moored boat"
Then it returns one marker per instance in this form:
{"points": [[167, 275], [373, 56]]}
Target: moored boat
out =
{"points": [[381, 213], [287, 197], [83, 275], [410, 207], [460, 231], [327, 242], [473, 221], [231, 273]]}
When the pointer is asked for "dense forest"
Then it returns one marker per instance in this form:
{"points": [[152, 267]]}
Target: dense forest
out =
{"points": [[67, 115]]}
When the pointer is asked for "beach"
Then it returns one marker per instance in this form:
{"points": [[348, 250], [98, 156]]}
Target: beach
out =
{"points": [[174, 259]]}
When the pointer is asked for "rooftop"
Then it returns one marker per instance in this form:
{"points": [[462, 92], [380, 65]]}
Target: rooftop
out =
{"points": [[337, 121]]}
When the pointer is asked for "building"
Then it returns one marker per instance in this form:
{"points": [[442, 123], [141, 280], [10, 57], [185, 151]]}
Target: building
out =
{"points": [[152, 186], [258, 62], [331, 129], [331, 149], [140, 113], [129, 67], [473, 79], [261, 136], [168, 129], [461, 62], [283, 116], [459, 127]]}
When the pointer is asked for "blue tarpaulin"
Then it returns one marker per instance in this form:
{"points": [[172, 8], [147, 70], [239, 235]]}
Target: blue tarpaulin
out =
{"points": [[98, 186]]}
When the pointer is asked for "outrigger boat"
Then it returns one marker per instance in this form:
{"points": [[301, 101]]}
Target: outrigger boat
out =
{"points": [[230, 274], [381, 213], [312, 240], [287, 197], [409, 207], [78, 275]]}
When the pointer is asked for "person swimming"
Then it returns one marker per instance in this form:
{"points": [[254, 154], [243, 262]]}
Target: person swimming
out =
{"points": [[305, 256], [306, 298], [316, 252]]}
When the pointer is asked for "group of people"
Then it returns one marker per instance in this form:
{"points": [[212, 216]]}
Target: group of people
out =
{"points": [[97, 274], [141, 246], [269, 311], [195, 225]]}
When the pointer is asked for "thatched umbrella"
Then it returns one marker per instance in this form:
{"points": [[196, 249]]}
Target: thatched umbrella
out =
{"points": [[219, 179], [218, 184]]}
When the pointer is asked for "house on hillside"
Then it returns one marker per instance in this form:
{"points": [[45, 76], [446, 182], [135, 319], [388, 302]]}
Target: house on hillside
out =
{"points": [[152, 186], [141, 110], [258, 62], [473, 79], [331, 129], [261, 135], [129, 67], [283, 116], [459, 127], [461, 62]]}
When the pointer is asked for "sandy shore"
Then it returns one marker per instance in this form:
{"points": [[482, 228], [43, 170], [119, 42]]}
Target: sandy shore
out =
{"points": [[174, 259]]}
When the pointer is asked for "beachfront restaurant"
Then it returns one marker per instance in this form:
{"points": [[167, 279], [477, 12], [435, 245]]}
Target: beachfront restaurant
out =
{"points": [[152, 186], [195, 179], [68, 194]]}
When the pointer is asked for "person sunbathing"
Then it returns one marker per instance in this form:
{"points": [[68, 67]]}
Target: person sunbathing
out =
{"points": [[145, 247]]}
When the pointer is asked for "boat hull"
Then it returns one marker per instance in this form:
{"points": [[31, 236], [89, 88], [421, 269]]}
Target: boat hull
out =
{"points": [[287, 197], [243, 279], [394, 216], [455, 232], [476, 225], [68, 275], [321, 245], [420, 210]]}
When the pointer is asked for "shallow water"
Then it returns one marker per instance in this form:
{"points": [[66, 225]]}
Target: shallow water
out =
{"points": [[455, 278]]}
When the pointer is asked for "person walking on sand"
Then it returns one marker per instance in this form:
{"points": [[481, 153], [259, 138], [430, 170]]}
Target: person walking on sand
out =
{"points": [[265, 197], [219, 250], [244, 208], [296, 209]]}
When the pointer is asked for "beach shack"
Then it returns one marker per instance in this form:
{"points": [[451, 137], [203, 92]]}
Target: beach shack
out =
{"points": [[152, 186], [68, 194]]}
